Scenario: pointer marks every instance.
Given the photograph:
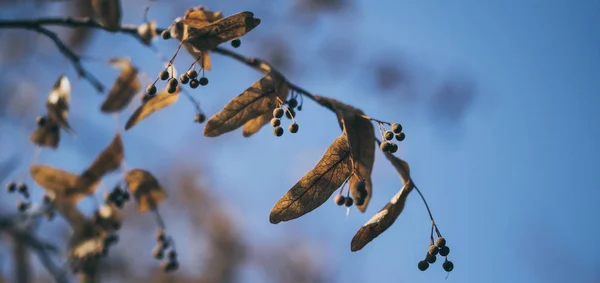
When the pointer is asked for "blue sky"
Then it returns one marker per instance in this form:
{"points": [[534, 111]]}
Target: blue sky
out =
{"points": [[513, 186]]}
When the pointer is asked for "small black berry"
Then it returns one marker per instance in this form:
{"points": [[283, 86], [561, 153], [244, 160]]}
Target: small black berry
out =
{"points": [[278, 131], [47, 199], [423, 265], [151, 89], [348, 202], [430, 258], [440, 242], [200, 118], [126, 196], [361, 188], [292, 103], [339, 200], [299, 108], [22, 188], [184, 79], [236, 43], [172, 254], [173, 82], [275, 122], [194, 83], [396, 128], [192, 74], [290, 113], [444, 251], [160, 236], [278, 112], [163, 75], [388, 135], [203, 81], [165, 34], [400, 136], [11, 187], [293, 128], [172, 89], [393, 147], [170, 266], [158, 253], [433, 250], [22, 206], [448, 266], [385, 146], [40, 121]]}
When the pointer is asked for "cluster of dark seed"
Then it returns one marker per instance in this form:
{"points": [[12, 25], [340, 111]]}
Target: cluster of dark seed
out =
{"points": [[191, 77], [118, 197], [163, 245], [439, 248], [23, 190], [348, 201], [289, 113], [387, 145], [200, 118]]}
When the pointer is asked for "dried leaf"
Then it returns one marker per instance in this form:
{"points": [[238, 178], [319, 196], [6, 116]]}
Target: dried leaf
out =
{"points": [[147, 32], [59, 101], [400, 165], [317, 185], [47, 135], [253, 126], [57, 182], [124, 88], [252, 103], [108, 160], [179, 31], [145, 188], [108, 13], [158, 102], [232, 27], [198, 18], [359, 132], [382, 220]]}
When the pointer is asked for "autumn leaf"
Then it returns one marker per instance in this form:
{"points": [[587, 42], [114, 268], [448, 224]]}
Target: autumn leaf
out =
{"points": [[360, 134], [57, 182], [254, 102], [198, 18], [386, 216], [46, 135], [158, 102], [145, 189], [317, 185], [223, 30], [147, 32], [59, 101], [253, 126], [108, 13], [124, 88], [108, 160]]}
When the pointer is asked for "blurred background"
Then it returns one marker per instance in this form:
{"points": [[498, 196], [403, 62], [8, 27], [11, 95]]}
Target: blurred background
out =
{"points": [[498, 100]]}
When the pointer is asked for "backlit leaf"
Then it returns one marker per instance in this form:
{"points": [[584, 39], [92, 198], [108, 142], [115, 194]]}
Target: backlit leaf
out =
{"points": [[223, 30], [158, 102], [57, 182], [59, 101], [253, 126], [317, 185], [108, 160], [108, 13], [252, 103], [124, 89], [145, 189], [198, 18], [47, 135], [360, 133]]}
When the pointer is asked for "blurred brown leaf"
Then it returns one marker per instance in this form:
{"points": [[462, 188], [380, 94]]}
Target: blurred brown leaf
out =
{"points": [[59, 101], [145, 188], [257, 100], [147, 32], [79, 37], [108, 13], [361, 139], [317, 185], [124, 88], [108, 160], [46, 135], [158, 102], [226, 29]]}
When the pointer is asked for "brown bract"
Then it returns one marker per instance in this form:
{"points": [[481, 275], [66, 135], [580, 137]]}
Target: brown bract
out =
{"points": [[195, 18], [108, 160], [47, 135], [59, 183], [223, 30], [388, 214], [145, 189], [158, 102], [147, 32], [124, 89], [317, 185], [253, 103], [360, 134], [108, 13], [58, 103]]}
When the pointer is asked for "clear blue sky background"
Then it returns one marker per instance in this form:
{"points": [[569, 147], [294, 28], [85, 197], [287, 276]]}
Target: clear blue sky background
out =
{"points": [[514, 186]]}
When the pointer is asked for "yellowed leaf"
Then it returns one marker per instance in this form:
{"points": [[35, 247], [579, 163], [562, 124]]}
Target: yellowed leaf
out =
{"points": [[124, 89], [158, 102], [223, 30], [108, 160], [145, 189], [108, 13], [57, 182], [360, 134], [252, 103], [317, 185]]}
